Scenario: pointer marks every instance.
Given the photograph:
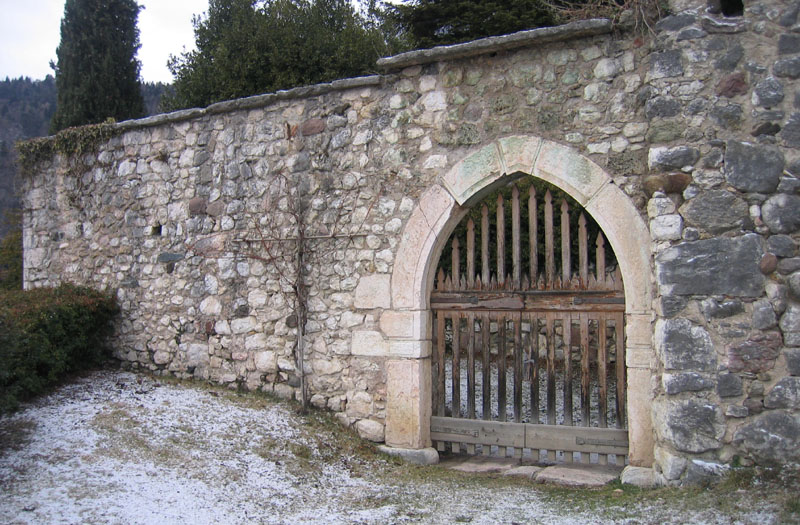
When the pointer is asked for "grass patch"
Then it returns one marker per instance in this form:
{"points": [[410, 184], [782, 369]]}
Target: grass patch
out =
{"points": [[15, 434]]}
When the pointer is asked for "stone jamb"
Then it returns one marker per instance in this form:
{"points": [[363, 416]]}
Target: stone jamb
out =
{"points": [[438, 212]]}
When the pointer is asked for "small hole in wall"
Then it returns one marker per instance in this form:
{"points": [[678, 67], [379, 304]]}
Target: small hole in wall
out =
{"points": [[156, 231], [732, 7]]}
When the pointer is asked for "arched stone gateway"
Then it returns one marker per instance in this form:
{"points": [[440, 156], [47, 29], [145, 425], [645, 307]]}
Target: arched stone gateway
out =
{"points": [[439, 211]]}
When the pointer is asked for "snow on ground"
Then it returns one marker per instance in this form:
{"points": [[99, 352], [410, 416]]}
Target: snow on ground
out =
{"points": [[115, 447]]}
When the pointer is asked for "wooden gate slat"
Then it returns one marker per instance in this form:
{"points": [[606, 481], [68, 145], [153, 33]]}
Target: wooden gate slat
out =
{"points": [[533, 226], [501, 240], [471, 254], [518, 350], [471, 366], [583, 251], [486, 379], [440, 320], [566, 263], [456, 323], [586, 391], [516, 257], [550, 258], [485, 271], [455, 264], [534, 370], [501, 367]]}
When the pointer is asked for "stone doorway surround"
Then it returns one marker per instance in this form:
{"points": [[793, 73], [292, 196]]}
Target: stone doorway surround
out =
{"points": [[407, 324]]}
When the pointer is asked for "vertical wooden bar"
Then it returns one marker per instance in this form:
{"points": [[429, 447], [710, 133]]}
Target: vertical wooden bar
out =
{"points": [[586, 388], [456, 409], [501, 240], [485, 273], [550, 261], [534, 371], [517, 367], [566, 259], [566, 324], [551, 369], [486, 384], [516, 258], [551, 375], [583, 250], [533, 225], [619, 320], [586, 393], [455, 262], [470, 253], [501, 367], [440, 320], [601, 260], [471, 366], [602, 373]]}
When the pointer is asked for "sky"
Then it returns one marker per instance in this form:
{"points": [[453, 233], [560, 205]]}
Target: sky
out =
{"points": [[30, 33]]}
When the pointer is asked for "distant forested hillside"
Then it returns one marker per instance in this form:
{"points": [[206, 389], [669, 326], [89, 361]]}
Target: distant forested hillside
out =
{"points": [[26, 107]]}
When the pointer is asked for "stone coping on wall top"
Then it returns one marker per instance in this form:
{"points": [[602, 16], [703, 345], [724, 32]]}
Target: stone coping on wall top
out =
{"points": [[256, 101], [543, 35]]}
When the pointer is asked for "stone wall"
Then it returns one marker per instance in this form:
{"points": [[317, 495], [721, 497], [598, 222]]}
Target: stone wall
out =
{"points": [[192, 218]]}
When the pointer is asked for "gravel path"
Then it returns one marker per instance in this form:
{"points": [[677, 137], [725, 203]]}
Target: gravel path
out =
{"points": [[115, 447]]}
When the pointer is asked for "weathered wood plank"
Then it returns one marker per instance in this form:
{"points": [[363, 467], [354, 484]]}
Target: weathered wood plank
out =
{"points": [[440, 345], [456, 396], [586, 392], [524, 435], [602, 370], [534, 371], [471, 366], [533, 226], [583, 251], [551, 368], [456, 264], [478, 432], [485, 271], [576, 439], [486, 379], [516, 254], [566, 327], [470, 253], [501, 367], [566, 262], [501, 239], [550, 258], [518, 350], [600, 258]]}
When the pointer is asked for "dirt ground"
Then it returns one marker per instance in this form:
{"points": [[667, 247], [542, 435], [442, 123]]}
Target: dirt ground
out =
{"points": [[117, 447]]}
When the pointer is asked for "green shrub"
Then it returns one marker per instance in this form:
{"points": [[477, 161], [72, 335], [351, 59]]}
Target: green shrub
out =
{"points": [[48, 333]]}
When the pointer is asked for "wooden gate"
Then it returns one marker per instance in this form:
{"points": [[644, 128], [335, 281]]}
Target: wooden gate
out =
{"points": [[530, 361]]}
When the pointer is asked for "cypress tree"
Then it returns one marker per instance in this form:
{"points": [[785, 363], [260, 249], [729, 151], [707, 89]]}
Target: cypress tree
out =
{"points": [[97, 75]]}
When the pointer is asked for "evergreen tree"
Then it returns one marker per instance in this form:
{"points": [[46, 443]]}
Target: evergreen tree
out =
{"points": [[97, 75], [442, 22], [247, 47]]}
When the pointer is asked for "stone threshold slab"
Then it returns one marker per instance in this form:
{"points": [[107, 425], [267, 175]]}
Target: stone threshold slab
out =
{"points": [[583, 476]]}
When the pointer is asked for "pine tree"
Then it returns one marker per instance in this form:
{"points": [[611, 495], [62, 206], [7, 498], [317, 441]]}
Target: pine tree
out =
{"points": [[97, 75], [246, 47], [442, 22]]}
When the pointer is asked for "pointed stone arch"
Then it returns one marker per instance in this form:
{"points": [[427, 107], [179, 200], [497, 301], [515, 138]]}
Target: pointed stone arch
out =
{"points": [[441, 207]]}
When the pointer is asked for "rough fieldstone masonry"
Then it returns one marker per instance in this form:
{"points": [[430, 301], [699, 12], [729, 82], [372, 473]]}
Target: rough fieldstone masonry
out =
{"points": [[683, 143]]}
